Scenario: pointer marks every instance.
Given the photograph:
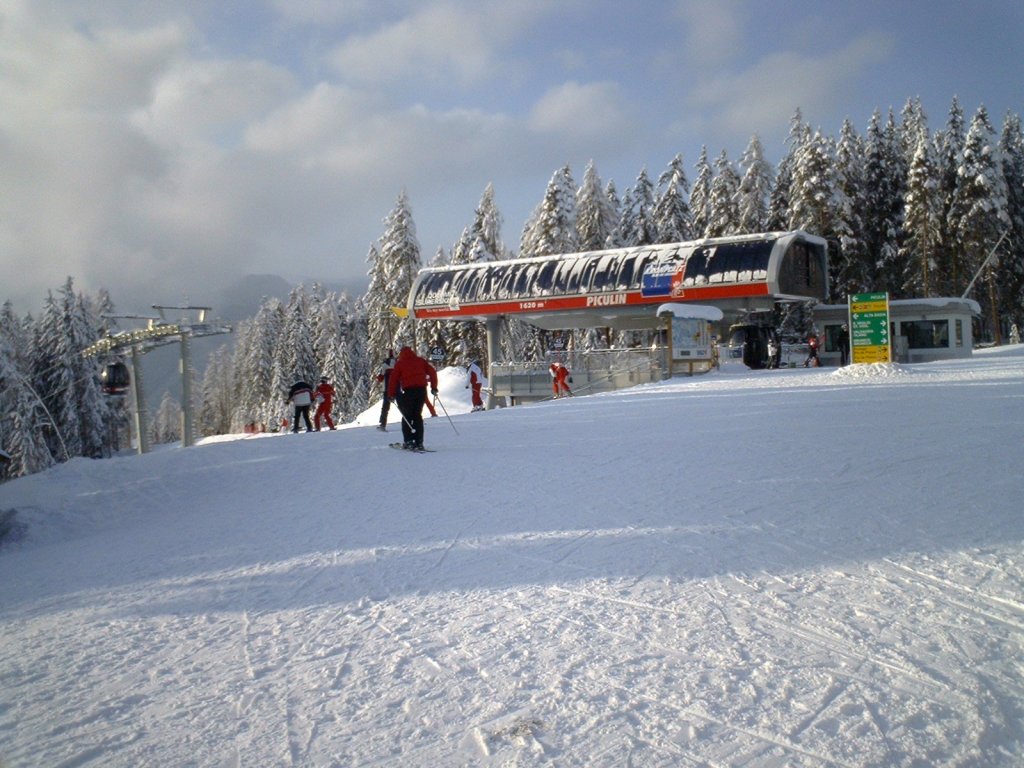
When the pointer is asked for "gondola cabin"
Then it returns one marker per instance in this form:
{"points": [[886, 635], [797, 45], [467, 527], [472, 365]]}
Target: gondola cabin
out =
{"points": [[115, 379]]}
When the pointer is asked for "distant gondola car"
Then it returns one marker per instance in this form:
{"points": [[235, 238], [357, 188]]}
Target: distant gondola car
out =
{"points": [[115, 379]]}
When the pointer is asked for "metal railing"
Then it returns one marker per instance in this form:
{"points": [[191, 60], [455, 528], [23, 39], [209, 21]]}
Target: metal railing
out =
{"points": [[602, 370]]}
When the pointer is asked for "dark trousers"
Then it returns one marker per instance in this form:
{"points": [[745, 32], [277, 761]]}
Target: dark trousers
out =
{"points": [[410, 403], [303, 411], [385, 403]]}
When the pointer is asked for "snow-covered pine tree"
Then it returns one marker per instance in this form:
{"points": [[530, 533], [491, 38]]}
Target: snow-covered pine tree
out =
{"points": [[550, 230], [757, 177], [672, 215], [93, 412], [216, 394], [354, 369], [256, 400], [596, 218], [779, 201], [638, 224], [1011, 149], [167, 422], [980, 211], [921, 225], [849, 266], [21, 417], [884, 176], [400, 262], [813, 194], [53, 377], [614, 240], [294, 358], [700, 195], [723, 211], [949, 150], [480, 242]]}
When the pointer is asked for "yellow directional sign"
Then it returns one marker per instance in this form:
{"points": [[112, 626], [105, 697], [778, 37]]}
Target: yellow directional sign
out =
{"points": [[869, 328]]}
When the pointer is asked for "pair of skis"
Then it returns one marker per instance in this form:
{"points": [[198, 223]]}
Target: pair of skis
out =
{"points": [[401, 447]]}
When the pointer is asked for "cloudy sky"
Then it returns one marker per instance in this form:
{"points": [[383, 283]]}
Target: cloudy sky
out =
{"points": [[163, 149]]}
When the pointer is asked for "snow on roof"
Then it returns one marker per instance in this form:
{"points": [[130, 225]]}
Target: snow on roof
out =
{"points": [[696, 311]]}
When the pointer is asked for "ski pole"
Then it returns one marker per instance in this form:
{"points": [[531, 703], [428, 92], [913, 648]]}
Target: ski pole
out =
{"points": [[438, 401]]}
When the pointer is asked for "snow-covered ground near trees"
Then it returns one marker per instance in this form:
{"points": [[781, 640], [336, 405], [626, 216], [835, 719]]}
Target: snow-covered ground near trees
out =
{"points": [[751, 568]]}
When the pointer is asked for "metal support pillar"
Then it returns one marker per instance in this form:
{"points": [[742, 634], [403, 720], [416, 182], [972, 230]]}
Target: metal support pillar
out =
{"points": [[141, 413], [493, 327], [188, 435]]}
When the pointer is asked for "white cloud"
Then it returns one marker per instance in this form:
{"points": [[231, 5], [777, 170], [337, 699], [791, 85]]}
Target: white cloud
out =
{"points": [[199, 101], [580, 111], [713, 30], [762, 98], [442, 43]]}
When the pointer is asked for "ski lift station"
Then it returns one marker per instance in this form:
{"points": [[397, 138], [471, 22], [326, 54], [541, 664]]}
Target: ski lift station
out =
{"points": [[677, 288]]}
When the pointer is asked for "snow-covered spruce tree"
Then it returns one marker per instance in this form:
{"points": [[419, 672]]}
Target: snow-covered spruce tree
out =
{"points": [[596, 218], [294, 358], [779, 201], [396, 267], [21, 415], [216, 394], [813, 194], [550, 230], [921, 225], [167, 422], [614, 239], [849, 265], [723, 211], [757, 178], [672, 216], [1011, 149], [94, 413], [480, 242], [638, 225], [437, 333], [700, 195], [353, 369], [949, 150], [256, 400], [980, 211], [53, 378], [884, 179]]}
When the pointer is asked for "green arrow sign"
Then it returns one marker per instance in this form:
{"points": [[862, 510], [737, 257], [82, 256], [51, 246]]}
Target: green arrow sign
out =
{"points": [[869, 328]]}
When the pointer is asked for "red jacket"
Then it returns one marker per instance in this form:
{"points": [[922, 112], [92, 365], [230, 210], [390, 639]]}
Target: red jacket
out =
{"points": [[410, 371], [326, 392]]}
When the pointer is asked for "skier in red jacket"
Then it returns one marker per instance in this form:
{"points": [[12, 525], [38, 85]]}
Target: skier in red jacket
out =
{"points": [[408, 383], [559, 379], [476, 381], [324, 396]]}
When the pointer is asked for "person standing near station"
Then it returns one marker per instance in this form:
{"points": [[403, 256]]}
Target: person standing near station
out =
{"points": [[476, 381], [812, 351], [843, 340], [324, 399], [559, 379], [408, 383], [301, 397], [383, 377]]}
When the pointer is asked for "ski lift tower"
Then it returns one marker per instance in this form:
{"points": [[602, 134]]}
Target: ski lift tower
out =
{"points": [[158, 332]]}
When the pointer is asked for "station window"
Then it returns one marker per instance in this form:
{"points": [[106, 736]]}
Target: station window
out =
{"points": [[926, 334]]}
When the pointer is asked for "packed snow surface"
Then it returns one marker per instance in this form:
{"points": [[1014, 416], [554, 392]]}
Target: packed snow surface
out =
{"points": [[750, 568]]}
